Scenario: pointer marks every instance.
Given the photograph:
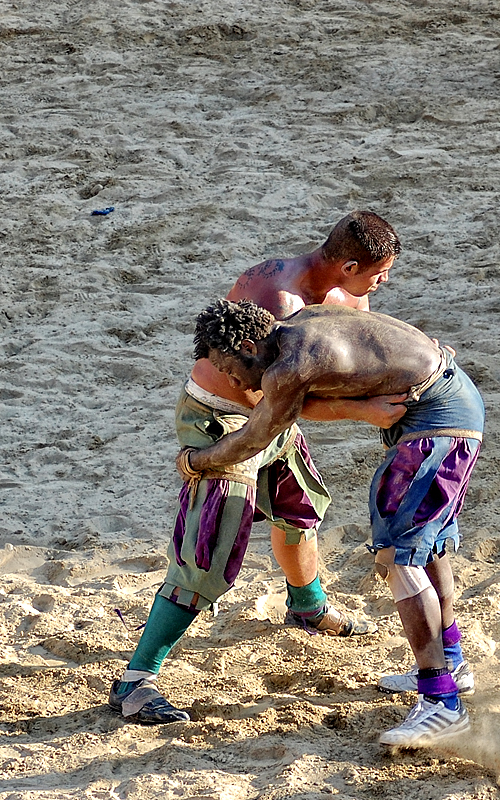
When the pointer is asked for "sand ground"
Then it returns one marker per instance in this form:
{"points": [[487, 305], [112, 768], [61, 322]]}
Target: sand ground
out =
{"points": [[223, 133]]}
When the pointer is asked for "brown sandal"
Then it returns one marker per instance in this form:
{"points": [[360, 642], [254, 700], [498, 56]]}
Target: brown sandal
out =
{"points": [[331, 623]]}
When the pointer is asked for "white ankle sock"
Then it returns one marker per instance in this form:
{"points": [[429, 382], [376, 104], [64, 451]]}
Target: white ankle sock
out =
{"points": [[139, 675]]}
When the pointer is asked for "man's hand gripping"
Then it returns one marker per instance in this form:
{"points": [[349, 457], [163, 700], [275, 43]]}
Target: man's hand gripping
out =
{"points": [[188, 474]]}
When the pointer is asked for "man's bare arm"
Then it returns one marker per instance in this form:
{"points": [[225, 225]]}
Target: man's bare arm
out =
{"points": [[382, 411]]}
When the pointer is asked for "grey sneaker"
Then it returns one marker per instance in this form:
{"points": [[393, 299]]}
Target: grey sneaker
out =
{"points": [[407, 682], [427, 723], [143, 703]]}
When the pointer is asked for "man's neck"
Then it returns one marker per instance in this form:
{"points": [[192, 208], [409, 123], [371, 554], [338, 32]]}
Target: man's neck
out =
{"points": [[269, 347], [317, 278]]}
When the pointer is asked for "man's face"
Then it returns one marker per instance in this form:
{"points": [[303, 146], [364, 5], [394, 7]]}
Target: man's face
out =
{"points": [[239, 375], [360, 283]]}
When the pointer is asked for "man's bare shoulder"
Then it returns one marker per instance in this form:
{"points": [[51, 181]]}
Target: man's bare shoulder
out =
{"points": [[340, 297], [283, 382], [271, 285]]}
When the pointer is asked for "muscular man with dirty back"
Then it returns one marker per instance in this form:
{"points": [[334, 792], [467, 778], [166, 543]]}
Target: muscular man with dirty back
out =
{"points": [[335, 354]]}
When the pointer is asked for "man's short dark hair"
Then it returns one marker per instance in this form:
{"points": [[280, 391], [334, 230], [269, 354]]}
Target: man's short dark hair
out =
{"points": [[224, 325], [364, 237]]}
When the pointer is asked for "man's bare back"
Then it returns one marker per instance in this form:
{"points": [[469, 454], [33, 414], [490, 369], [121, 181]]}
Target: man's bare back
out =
{"points": [[336, 352], [284, 286]]}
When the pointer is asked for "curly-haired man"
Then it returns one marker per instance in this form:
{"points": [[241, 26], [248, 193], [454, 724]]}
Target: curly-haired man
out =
{"points": [[324, 354]]}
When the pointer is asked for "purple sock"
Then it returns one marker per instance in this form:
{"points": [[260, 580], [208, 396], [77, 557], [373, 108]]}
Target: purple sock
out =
{"points": [[438, 685], [451, 635], [451, 645]]}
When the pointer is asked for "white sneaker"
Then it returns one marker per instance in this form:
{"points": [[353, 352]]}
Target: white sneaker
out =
{"points": [[428, 722], [407, 682]]}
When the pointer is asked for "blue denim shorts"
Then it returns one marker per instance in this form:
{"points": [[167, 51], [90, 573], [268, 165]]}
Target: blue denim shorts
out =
{"points": [[428, 476]]}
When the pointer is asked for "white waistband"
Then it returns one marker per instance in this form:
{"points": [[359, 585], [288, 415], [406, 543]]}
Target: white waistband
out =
{"points": [[214, 401]]}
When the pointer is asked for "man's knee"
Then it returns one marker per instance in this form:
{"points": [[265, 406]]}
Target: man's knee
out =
{"points": [[404, 582]]}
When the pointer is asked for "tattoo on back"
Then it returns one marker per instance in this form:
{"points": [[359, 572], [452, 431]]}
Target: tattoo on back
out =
{"points": [[268, 269]]}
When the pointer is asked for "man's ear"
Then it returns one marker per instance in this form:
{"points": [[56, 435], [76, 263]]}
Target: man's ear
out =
{"points": [[349, 268], [249, 347]]}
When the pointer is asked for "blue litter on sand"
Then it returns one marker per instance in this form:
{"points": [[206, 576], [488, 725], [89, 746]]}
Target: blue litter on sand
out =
{"points": [[102, 212]]}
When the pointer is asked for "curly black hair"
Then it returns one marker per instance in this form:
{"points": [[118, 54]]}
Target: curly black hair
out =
{"points": [[364, 237], [224, 325]]}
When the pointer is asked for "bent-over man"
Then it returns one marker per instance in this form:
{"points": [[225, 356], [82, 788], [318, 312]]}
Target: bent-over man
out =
{"points": [[336, 355]]}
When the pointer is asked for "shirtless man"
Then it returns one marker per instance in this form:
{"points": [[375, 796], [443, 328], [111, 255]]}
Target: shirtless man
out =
{"points": [[282, 485], [333, 354]]}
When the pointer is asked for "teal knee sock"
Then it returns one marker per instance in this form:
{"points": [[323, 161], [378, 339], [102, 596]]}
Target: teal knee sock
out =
{"points": [[306, 598], [167, 622]]}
